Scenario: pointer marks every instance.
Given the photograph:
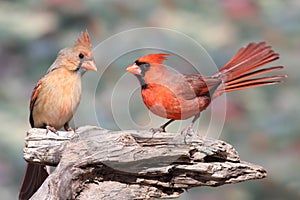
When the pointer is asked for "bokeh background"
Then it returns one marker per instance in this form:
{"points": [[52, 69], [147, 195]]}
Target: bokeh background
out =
{"points": [[262, 123]]}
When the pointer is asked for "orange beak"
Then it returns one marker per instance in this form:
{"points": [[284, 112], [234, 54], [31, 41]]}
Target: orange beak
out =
{"points": [[134, 69], [90, 65]]}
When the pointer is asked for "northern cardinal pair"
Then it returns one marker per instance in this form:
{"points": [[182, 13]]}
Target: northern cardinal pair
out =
{"points": [[170, 95]]}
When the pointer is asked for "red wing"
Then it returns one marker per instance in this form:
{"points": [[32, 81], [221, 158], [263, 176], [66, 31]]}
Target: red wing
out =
{"points": [[34, 95], [200, 85]]}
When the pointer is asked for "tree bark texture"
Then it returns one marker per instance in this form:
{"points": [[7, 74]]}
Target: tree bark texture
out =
{"points": [[95, 163]]}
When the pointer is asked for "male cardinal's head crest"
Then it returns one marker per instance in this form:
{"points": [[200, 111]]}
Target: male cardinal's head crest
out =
{"points": [[153, 58], [147, 64], [142, 65]]}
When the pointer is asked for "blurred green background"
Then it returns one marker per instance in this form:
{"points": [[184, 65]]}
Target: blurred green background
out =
{"points": [[262, 123]]}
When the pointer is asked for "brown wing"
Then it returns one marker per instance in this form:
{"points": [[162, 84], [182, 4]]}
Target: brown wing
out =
{"points": [[34, 96], [199, 85]]}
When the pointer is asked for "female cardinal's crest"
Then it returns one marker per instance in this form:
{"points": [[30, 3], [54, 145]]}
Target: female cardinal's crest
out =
{"points": [[154, 58], [84, 40]]}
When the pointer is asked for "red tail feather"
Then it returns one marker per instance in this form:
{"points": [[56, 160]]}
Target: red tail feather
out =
{"points": [[237, 72]]}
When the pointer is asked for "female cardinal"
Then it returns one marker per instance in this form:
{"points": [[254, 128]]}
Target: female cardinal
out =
{"points": [[54, 100], [176, 96]]}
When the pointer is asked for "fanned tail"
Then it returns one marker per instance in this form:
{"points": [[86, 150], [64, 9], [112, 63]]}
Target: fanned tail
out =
{"points": [[238, 73]]}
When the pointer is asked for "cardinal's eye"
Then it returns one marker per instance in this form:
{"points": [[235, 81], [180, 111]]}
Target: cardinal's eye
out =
{"points": [[81, 56]]}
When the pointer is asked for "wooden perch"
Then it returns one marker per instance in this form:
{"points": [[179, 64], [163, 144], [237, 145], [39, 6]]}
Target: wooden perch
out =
{"points": [[96, 163]]}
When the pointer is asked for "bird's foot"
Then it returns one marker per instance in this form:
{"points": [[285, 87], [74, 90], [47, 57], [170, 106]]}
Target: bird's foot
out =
{"points": [[157, 130], [52, 129], [188, 131], [68, 128]]}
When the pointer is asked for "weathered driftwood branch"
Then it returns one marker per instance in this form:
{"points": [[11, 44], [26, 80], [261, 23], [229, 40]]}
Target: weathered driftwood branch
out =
{"points": [[95, 163]]}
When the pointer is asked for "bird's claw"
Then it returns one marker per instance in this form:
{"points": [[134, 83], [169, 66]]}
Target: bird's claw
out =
{"points": [[68, 128], [187, 132], [157, 130], [52, 129]]}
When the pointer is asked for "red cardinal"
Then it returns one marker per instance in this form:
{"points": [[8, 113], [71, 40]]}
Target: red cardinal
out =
{"points": [[54, 100], [178, 96]]}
